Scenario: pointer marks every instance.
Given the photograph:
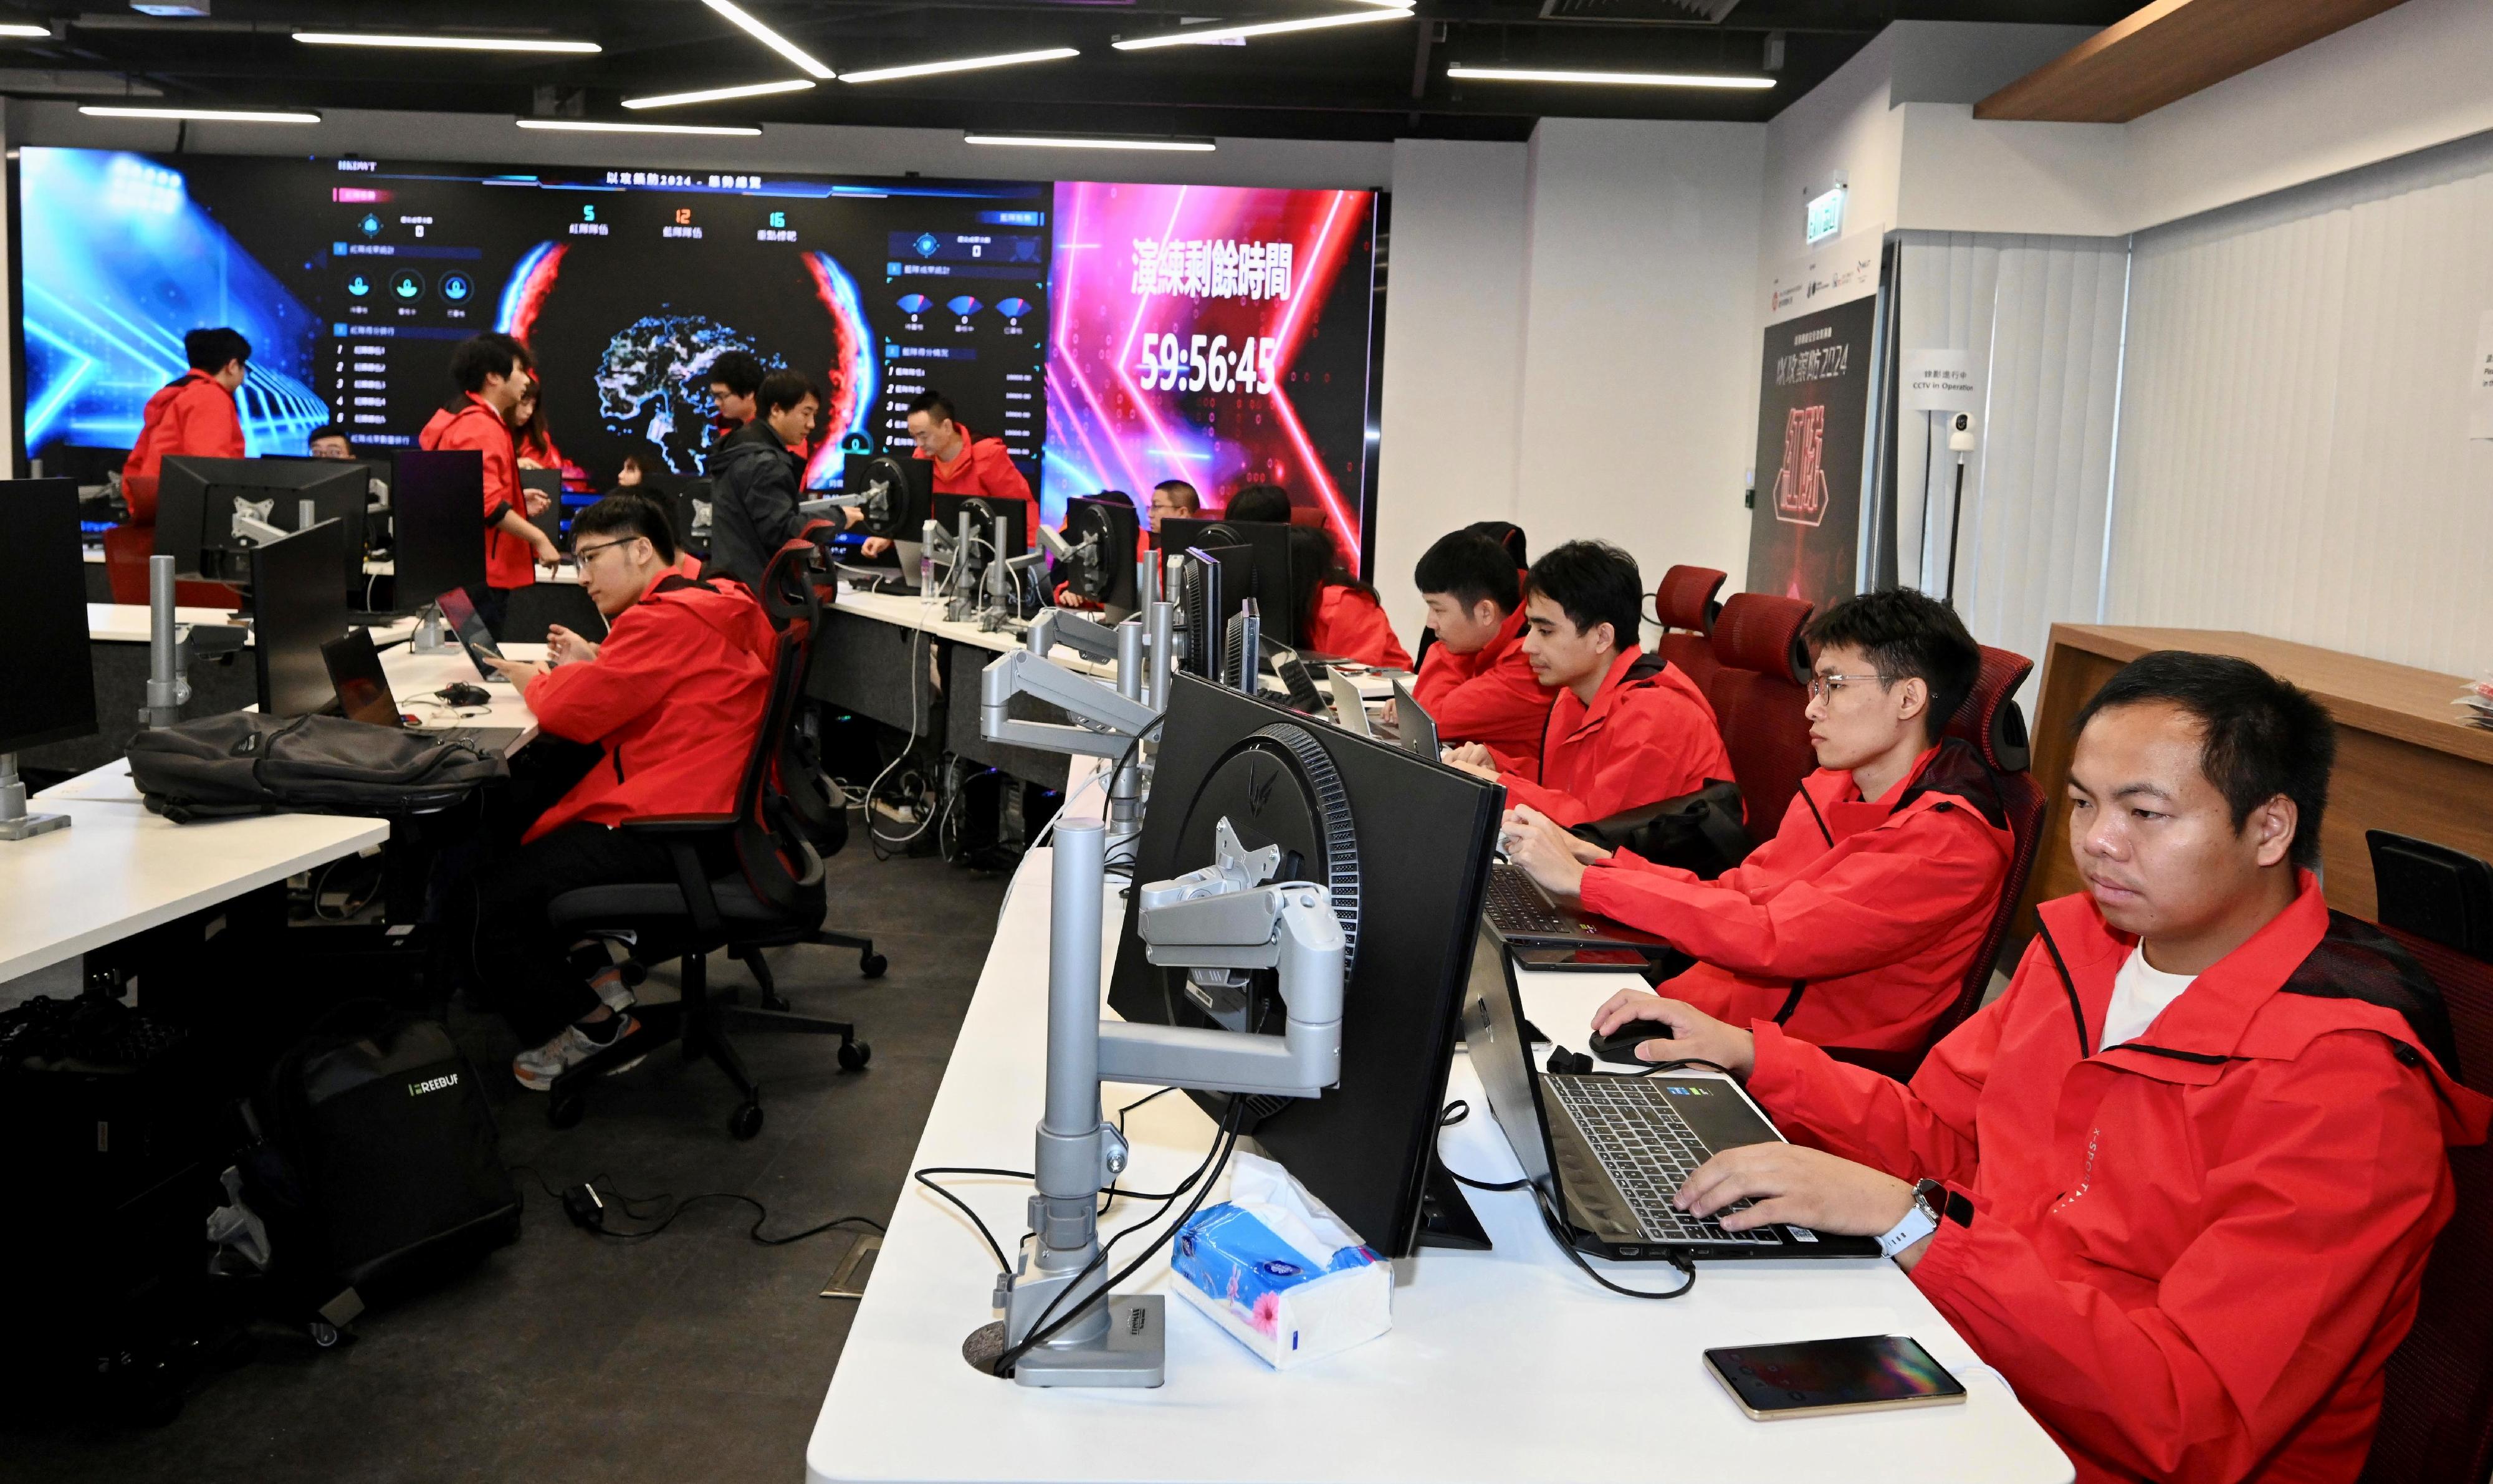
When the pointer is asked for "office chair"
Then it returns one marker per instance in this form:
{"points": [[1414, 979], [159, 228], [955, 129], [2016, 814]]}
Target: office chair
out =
{"points": [[2437, 1398], [774, 895], [2428, 891], [1991, 724], [1760, 696], [1683, 601]]}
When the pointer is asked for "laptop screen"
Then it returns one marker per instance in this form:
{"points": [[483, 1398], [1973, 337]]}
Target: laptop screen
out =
{"points": [[355, 670], [1502, 1059], [1415, 729]]}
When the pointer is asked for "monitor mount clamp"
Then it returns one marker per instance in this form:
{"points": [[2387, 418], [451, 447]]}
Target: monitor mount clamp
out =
{"points": [[1222, 920]]}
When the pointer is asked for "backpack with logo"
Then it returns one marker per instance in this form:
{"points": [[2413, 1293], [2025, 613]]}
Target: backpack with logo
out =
{"points": [[378, 1168]]}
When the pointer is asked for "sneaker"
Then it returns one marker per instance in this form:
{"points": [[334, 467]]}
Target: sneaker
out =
{"points": [[537, 1070]]}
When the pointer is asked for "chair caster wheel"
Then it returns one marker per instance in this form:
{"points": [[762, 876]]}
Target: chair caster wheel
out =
{"points": [[853, 1055], [564, 1112], [323, 1334], [872, 965], [746, 1121]]}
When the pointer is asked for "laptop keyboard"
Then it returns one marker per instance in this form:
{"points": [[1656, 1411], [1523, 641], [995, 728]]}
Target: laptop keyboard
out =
{"points": [[1648, 1151], [1517, 908]]}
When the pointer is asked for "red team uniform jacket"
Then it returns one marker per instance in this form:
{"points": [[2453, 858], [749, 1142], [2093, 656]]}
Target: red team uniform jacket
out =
{"points": [[1352, 624], [194, 416], [508, 560], [980, 467], [1648, 736], [1854, 926], [2189, 1253], [674, 695], [1489, 696]]}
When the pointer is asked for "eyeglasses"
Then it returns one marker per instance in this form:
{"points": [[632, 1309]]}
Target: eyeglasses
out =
{"points": [[1821, 686], [582, 554]]}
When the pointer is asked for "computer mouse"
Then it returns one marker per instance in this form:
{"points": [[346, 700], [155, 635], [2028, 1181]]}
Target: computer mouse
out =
{"points": [[1620, 1046], [460, 693]]}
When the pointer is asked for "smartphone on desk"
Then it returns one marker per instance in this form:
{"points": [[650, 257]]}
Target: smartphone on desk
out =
{"points": [[1818, 1377]]}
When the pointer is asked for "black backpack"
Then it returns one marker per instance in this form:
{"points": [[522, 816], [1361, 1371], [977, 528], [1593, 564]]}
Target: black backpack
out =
{"points": [[244, 763], [379, 1166]]}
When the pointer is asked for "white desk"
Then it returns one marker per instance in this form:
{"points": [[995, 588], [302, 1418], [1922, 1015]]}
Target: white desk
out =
{"points": [[909, 613], [129, 622], [1504, 1365], [119, 870]]}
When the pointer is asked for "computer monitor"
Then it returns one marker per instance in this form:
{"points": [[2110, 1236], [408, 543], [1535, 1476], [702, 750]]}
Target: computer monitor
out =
{"points": [[50, 691], [196, 500], [1404, 846], [83, 465], [438, 506], [946, 512], [293, 612], [688, 514], [1106, 532], [1274, 593], [554, 520], [1212, 584], [908, 486]]}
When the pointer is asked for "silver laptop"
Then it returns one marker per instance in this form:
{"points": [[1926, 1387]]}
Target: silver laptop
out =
{"points": [[1347, 708], [1415, 729]]}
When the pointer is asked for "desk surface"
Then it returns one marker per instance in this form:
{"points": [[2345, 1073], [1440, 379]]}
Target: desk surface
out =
{"points": [[132, 623], [906, 611], [119, 870], [1505, 1365]]}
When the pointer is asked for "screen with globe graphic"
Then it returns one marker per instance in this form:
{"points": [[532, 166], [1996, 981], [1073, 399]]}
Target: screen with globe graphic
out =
{"points": [[353, 279]]}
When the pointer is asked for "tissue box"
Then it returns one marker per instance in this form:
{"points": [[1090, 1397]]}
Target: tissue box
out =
{"points": [[1270, 1296]]}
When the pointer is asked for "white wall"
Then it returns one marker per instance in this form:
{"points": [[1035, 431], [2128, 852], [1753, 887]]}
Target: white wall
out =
{"points": [[1454, 351], [1640, 346]]}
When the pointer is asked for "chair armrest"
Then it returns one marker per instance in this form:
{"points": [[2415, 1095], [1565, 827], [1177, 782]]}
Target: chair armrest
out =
{"points": [[679, 826]]}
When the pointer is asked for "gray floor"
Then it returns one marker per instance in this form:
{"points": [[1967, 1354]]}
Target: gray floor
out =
{"points": [[693, 1355]]}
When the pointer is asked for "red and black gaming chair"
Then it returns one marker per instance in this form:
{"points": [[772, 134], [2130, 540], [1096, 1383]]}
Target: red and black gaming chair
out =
{"points": [[1760, 690], [1990, 722], [1684, 603]]}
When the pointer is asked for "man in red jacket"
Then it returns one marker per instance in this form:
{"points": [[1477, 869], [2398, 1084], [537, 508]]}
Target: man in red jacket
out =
{"points": [[1476, 681], [194, 414], [1855, 924], [673, 696], [965, 464], [1628, 729], [2178, 1184], [492, 372]]}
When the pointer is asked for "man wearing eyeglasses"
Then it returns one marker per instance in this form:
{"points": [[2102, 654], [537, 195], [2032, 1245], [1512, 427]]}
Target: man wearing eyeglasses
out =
{"points": [[672, 697], [1855, 924], [965, 464]]}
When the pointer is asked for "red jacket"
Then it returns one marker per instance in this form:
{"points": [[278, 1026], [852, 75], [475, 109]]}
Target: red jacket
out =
{"points": [[1352, 625], [980, 467], [675, 694], [2191, 1254], [192, 417], [509, 561], [1648, 736], [1489, 696], [1854, 926]]}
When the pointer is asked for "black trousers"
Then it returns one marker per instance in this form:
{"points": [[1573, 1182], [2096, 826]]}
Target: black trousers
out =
{"points": [[528, 964]]}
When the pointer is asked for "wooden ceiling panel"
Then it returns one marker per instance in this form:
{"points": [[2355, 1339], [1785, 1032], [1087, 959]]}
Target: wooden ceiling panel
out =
{"points": [[2169, 51]]}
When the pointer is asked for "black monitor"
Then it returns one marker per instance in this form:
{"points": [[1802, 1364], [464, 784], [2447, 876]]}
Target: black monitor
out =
{"points": [[908, 486], [1210, 586], [1274, 593], [81, 464], [197, 499], [554, 520], [1404, 846], [50, 693], [437, 506], [293, 613], [1107, 532], [947, 510]]}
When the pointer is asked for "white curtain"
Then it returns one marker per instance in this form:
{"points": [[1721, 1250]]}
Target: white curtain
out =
{"points": [[2043, 317]]}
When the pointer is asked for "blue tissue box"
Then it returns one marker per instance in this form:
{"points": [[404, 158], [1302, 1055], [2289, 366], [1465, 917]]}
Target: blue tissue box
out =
{"points": [[1266, 1292]]}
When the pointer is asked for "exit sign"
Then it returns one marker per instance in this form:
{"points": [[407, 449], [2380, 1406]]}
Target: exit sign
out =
{"points": [[1825, 216]]}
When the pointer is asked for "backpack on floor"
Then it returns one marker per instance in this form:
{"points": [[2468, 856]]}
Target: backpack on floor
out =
{"points": [[379, 1167]]}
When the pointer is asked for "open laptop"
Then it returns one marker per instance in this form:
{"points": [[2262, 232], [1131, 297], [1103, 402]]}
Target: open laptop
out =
{"points": [[1611, 1149], [1348, 709], [1524, 915], [473, 635], [364, 695], [1415, 729]]}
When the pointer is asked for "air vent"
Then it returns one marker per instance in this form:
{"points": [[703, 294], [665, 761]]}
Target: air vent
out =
{"points": [[1649, 13]]}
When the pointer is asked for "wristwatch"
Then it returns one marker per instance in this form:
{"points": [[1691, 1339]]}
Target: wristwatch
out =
{"points": [[1930, 1199]]}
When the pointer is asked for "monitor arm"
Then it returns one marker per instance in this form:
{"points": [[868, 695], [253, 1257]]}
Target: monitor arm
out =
{"points": [[1226, 918], [1109, 722]]}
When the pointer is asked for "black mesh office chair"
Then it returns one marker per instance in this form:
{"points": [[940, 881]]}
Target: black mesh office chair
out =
{"points": [[774, 895]]}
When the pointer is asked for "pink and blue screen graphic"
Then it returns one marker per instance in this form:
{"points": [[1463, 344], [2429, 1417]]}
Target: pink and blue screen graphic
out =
{"points": [[118, 263], [1214, 335]]}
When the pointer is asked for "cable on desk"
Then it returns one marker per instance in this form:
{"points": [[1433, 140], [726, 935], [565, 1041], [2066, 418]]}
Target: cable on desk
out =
{"points": [[1110, 1195], [1458, 1110]]}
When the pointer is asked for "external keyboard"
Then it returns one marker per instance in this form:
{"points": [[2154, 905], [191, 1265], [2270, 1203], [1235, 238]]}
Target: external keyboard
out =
{"points": [[1648, 1151]]}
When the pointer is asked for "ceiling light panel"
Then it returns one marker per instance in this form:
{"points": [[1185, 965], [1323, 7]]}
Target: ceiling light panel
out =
{"points": [[716, 93], [600, 126], [1100, 141], [209, 115], [1605, 78], [963, 65], [1203, 36], [435, 42], [745, 23]]}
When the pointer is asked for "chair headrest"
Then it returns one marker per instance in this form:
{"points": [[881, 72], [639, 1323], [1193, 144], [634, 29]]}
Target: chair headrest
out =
{"points": [[1990, 720], [1685, 598], [1761, 633], [788, 583]]}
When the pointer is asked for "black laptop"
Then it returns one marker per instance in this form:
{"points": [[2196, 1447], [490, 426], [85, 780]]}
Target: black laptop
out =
{"points": [[1523, 916], [473, 636], [363, 694], [1610, 1149]]}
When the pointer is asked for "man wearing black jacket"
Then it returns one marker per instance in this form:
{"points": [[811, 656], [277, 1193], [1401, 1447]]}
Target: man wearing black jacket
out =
{"points": [[755, 481]]}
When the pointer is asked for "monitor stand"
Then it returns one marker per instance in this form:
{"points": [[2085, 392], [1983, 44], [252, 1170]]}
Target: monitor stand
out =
{"points": [[16, 824], [1446, 1218]]}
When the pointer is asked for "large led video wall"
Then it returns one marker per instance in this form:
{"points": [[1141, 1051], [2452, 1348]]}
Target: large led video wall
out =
{"points": [[1112, 335]]}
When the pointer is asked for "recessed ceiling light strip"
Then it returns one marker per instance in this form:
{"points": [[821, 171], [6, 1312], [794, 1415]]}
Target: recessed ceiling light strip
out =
{"points": [[751, 27], [1171, 144], [716, 93], [1199, 36], [434, 43], [600, 126], [207, 115], [963, 65], [1608, 78]]}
